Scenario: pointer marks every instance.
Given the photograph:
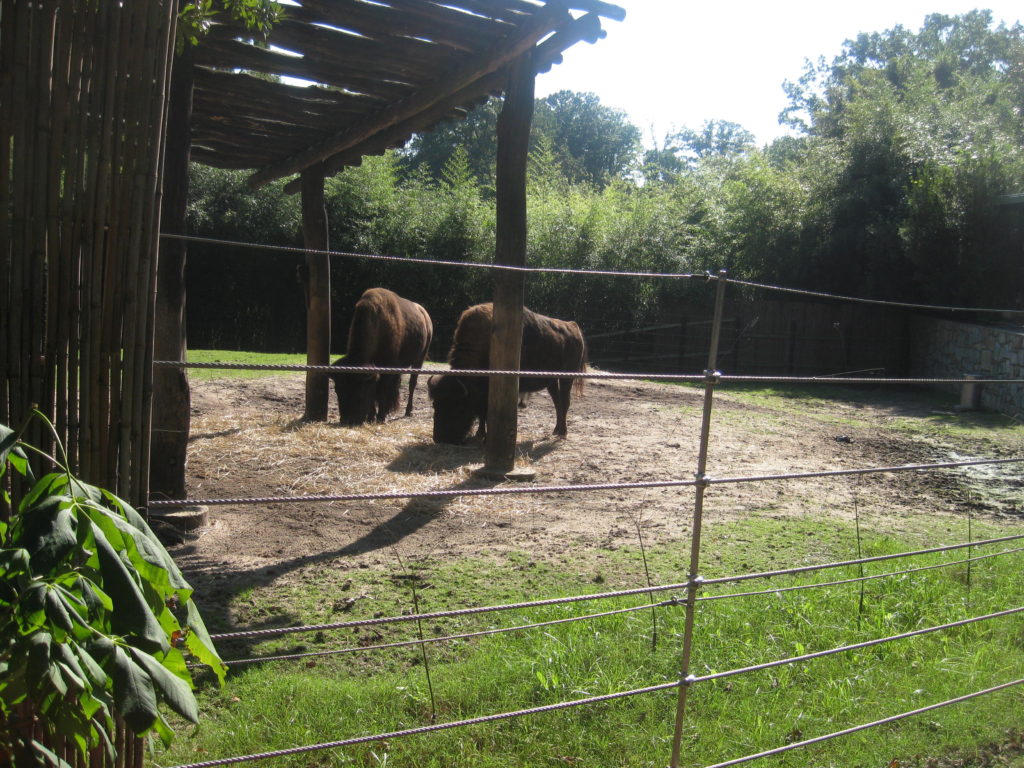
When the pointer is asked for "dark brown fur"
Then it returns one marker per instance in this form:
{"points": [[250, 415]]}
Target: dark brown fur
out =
{"points": [[386, 331], [548, 345]]}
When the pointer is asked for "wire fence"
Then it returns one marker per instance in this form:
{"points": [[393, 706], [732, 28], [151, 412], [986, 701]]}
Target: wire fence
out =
{"points": [[711, 379]]}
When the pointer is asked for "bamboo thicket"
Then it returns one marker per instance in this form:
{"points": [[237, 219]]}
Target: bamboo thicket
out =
{"points": [[83, 87]]}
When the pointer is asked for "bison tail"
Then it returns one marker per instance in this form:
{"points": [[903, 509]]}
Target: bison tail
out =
{"points": [[577, 385]]}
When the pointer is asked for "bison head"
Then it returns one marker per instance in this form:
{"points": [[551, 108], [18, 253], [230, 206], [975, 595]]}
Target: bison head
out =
{"points": [[456, 406], [356, 394]]}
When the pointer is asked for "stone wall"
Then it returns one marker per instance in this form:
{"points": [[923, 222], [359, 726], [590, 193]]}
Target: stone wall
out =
{"points": [[942, 348]]}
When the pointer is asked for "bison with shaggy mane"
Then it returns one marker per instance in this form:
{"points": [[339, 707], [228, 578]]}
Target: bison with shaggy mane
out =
{"points": [[548, 345], [387, 331]]}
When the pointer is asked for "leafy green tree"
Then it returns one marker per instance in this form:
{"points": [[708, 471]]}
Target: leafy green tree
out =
{"points": [[476, 135], [715, 137], [195, 18], [592, 143], [596, 144], [921, 131]]}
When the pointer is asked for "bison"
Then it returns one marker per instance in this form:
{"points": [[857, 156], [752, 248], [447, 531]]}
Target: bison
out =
{"points": [[386, 331], [548, 345]]}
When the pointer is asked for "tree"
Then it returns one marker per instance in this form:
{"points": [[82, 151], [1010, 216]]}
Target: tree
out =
{"points": [[591, 143], [950, 58], [194, 20], [596, 143], [716, 137], [476, 135], [921, 132]]}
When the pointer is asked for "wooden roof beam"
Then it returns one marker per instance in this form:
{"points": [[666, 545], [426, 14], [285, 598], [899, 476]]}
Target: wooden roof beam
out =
{"points": [[549, 18], [587, 29]]}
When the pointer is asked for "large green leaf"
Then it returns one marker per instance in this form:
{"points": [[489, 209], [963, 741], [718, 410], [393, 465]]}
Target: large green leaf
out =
{"points": [[134, 695], [38, 658], [8, 444], [57, 611], [11, 451], [52, 484], [48, 533], [45, 756], [148, 557], [175, 691], [132, 616], [200, 645], [32, 607], [93, 671]]}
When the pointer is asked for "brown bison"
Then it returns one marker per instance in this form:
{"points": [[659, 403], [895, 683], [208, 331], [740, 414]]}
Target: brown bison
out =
{"points": [[390, 332], [548, 345]]}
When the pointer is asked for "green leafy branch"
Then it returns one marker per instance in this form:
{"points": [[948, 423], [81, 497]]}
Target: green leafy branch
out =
{"points": [[95, 617], [196, 18]]}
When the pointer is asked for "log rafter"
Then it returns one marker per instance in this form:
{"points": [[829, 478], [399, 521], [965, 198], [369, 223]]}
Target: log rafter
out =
{"points": [[377, 73]]}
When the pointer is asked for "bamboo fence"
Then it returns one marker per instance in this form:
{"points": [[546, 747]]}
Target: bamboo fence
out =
{"points": [[83, 99], [82, 111]]}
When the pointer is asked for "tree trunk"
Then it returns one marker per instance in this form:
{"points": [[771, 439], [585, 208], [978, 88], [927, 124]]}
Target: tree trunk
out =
{"points": [[171, 396], [318, 292], [510, 249]]}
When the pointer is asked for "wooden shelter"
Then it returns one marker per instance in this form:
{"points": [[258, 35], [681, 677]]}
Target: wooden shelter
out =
{"points": [[378, 72]]}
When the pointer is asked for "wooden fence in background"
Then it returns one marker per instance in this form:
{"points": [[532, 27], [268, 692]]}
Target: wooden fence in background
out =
{"points": [[769, 338]]}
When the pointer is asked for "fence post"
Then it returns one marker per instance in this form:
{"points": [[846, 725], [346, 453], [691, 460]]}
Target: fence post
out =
{"points": [[711, 376]]}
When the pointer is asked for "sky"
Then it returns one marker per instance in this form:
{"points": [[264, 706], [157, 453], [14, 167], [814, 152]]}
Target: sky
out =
{"points": [[677, 63]]}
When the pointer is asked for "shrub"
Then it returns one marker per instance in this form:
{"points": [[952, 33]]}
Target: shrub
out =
{"points": [[95, 617]]}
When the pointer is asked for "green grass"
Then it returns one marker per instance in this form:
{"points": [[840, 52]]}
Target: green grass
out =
{"points": [[283, 704], [230, 356], [289, 703]]}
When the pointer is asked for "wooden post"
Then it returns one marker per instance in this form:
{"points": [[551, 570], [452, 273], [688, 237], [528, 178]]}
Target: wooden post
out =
{"points": [[171, 417], [318, 291], [509, 289]]}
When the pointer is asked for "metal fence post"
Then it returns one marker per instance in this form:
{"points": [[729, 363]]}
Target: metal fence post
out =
{"points": [[711, 376]]}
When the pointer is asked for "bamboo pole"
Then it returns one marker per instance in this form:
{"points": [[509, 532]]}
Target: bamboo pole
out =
{"points": [[146, 220], [19, 194], [74, 215], [46, 127], [131, 207], [57, 349], [7, 33]]}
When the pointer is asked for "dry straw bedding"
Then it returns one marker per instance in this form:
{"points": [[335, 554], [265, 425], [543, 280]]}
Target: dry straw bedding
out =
{"points": [[248, 441]]}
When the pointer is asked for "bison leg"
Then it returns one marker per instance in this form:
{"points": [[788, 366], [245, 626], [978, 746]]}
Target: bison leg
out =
{"points": [[387, 395], [561, 395], [412, 389]]}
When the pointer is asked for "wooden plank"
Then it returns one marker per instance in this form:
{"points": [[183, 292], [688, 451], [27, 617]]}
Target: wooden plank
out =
{"points": [[232, 54], [547, 20], [586, 28], [402, 20], [171, 393], [509, 287]]}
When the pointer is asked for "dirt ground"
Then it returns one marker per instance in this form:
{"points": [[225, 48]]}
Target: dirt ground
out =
{"points": [[248, 441]]}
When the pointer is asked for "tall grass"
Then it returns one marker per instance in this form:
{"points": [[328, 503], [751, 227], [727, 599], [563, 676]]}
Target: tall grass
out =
{"points": [[281, 704]]}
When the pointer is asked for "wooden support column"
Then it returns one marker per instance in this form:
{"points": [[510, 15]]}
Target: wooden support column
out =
{"points": [[171, 418], [509, 289], [318, 292]]}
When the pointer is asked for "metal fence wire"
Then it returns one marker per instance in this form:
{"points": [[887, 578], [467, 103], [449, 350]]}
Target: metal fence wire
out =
{"points": [[689, 590]]}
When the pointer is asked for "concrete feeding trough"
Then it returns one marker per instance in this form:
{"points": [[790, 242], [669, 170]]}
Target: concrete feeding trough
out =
{"points": [[970, 393], [172, 520]]}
